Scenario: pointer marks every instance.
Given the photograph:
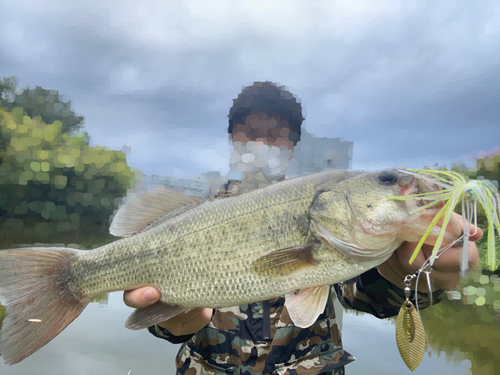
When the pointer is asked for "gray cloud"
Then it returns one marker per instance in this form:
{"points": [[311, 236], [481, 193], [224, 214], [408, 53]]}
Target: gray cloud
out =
{"points": [[392, 77]]}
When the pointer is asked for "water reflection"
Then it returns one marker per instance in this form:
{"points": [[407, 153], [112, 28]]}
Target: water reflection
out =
{"points": [[463, 333], [462, 337], [102, 300], [467, 325], [373, 342], [98, 343]]}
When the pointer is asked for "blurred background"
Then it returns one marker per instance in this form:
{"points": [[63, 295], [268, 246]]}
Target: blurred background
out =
{"points": [[104, 96]]}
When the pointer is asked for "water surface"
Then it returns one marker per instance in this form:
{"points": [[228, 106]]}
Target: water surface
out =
{"points": [[98, 343]]}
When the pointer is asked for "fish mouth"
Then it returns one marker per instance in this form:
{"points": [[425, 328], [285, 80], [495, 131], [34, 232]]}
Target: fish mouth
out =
{"points": [[418, 184], [420, 216], [416, 218]]}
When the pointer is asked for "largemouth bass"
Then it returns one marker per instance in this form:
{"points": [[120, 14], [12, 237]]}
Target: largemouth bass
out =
{"points": [[293, 238]]}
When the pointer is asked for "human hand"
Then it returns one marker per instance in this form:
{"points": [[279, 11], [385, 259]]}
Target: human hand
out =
{"points": [[185, 323], [445, 271]]}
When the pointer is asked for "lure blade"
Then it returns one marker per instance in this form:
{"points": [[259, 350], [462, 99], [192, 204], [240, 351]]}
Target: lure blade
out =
{"points": [[410, 336]]}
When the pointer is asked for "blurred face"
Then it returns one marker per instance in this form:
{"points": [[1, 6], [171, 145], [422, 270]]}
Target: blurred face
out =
{"points": [[260, 127], [261, 144]]}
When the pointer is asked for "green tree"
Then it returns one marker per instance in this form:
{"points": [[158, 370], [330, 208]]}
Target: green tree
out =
{"points": [[487, 167], [48, 104], [51, 181]]}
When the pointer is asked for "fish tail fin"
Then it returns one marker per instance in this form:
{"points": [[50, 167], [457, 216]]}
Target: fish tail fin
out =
{"points": [[35, 289]]}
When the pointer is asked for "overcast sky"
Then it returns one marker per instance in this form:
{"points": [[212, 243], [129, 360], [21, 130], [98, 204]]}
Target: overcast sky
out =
{"points": [[410, 83]]}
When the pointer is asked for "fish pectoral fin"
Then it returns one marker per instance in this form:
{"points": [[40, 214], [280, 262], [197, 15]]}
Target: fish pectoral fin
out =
{"points": [[287, 261], [145, 210], [306, 305], [154, 314]]}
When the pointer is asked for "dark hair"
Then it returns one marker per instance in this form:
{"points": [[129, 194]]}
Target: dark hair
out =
{"points": [[267, 97]]}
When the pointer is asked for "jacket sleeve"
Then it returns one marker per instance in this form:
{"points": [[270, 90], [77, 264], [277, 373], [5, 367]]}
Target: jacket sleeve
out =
{"points": [[163, 333], [372, 293]]}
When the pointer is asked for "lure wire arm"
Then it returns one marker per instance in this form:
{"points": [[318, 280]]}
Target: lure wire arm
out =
{"points": [[470, 214]]}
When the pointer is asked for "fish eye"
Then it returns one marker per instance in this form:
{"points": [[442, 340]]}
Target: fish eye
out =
{"points": [[388, 177]]}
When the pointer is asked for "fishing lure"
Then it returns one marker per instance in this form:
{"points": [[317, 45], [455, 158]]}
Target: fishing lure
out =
{"points": [[410, 334], [455, 189]]}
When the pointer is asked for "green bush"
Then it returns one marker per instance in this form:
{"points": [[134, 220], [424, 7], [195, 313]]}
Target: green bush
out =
{"points": [[52, 182]]}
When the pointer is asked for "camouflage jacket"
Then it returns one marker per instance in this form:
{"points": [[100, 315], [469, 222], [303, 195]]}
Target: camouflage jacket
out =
{"points": [[260, 338]]}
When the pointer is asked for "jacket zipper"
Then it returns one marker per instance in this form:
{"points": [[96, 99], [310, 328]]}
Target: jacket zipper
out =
{"points": [[266, 320]]}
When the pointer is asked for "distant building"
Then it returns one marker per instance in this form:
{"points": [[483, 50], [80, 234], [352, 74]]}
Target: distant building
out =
{"points": [[313, 154], [190, 187]]}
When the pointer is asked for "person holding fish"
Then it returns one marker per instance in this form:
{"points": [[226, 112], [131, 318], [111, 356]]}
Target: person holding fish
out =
{"points": [[266, 337]]}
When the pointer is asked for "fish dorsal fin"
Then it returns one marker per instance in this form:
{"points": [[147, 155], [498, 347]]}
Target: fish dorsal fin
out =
{"points": [[235, 188], [306, 305], [286, 262], [141, 211]]}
